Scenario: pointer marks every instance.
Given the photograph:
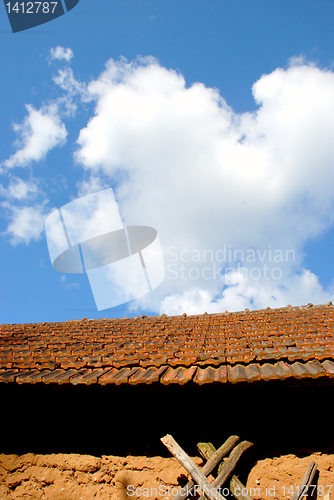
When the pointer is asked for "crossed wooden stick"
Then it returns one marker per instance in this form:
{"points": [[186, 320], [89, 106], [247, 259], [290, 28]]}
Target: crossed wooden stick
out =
{"points": [[199, 476], [213, 457]]}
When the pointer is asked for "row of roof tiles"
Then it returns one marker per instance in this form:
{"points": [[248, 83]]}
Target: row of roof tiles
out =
{"points": [[17, 360], [103, 348], [168, 375]]}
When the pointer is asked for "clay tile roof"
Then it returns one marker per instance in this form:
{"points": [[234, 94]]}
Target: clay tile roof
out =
{"points": [[229, 348]]}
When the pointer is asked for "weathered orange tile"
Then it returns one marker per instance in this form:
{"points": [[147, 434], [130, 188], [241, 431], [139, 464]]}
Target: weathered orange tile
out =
{"points": [[209, 374], [236, 374], [286, 342], [179, 375]]}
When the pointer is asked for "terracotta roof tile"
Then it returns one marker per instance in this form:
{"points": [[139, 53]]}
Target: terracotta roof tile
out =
{"points": [[4, 363], [315, 369], [52, 376], [107, 377], [329, 368], [71, 362], [209, 374], [179, 375], [269, 344], [236, 374], [88, 376], [283, 369], [8, 375], [299, 370], [117, 376], [252, 372], [147, 376], [66, 376], [29, 377], [275, 371]]}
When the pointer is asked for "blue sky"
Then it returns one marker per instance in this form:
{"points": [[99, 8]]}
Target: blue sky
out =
{"points": [[221, 139]]}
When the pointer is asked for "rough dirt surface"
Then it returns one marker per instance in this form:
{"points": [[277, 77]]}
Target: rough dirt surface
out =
{"points": [[84, 477]]}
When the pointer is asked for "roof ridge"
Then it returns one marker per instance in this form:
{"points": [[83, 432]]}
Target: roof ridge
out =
{"points": [[183, 315]]}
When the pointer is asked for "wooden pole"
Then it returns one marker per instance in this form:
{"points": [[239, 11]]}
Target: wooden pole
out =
{"points": [[230, 464], [208, 489], [207, 449], [212, 462], [236, 488], [302, 490]]}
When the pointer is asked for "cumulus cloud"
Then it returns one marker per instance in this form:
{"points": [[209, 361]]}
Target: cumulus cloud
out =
{"points": [[212, 181], [61, 54], [234, 197], [26, 222], [19, 189], [40, 131]]}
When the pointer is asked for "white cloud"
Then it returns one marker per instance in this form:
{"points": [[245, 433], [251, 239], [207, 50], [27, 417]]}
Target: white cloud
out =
{"points": [[65, 79], [61, 54], [92, 185], [27, 223], [247, 293], [207, 178], [19, 189], [41, 131]]}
